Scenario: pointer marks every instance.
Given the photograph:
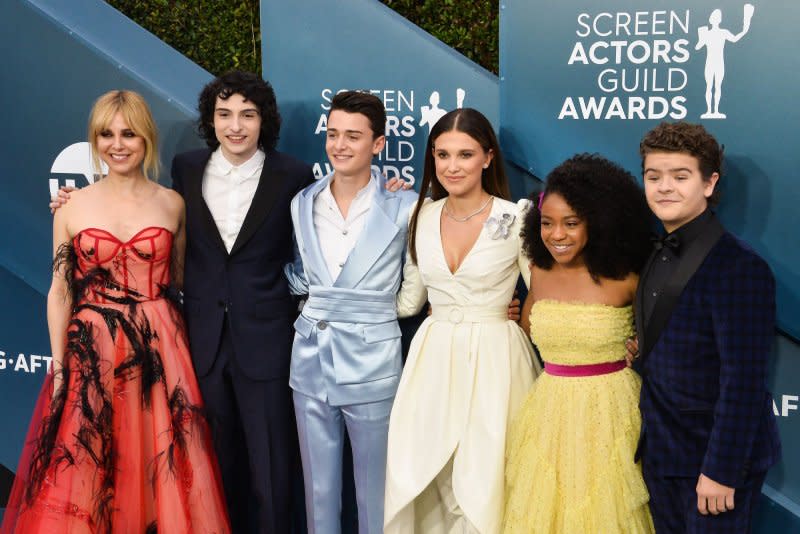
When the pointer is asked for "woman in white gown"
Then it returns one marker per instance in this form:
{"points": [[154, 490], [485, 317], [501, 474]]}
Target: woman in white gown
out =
{"points": [[469, 367]]}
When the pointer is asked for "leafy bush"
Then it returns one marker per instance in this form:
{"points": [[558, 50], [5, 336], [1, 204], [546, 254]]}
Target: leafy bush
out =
{"points": [[224, 35], [217, 35], [471, 27]]}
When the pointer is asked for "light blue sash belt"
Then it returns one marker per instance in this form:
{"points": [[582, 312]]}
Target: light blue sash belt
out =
{"points": [[350, 305]]}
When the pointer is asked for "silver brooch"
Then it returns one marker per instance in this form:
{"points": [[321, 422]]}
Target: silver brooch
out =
{"points": [[500, 226]]}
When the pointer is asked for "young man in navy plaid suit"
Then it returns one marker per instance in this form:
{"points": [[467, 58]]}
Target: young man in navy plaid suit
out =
{"points": [[705, 314]]}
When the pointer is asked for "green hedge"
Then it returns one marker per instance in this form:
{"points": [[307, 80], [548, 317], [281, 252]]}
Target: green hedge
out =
{"points": [[220, 35], [471, 27]]}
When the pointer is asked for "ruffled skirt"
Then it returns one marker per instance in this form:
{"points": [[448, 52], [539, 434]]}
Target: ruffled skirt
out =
{"points": [[570, 466]]}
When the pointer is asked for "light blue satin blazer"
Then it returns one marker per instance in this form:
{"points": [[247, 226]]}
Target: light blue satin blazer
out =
{"points": [[347, 341]]}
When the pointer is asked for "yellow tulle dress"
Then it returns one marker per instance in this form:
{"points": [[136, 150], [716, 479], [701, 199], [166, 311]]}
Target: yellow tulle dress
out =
{"points": [[570, 467]]}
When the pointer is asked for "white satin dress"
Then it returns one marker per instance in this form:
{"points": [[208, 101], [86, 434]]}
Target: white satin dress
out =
{"points": [[468, 370]]}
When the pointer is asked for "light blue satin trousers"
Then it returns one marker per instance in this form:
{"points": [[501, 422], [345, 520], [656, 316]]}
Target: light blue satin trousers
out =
{"points": [[320, 429]]}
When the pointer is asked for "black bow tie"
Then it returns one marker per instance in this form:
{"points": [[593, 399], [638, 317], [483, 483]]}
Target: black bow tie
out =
{"points": [[670, 241]]}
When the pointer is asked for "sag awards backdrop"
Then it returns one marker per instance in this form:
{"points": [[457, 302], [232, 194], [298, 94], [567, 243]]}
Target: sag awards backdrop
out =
{"points": [[575, 76], [595, 76]]}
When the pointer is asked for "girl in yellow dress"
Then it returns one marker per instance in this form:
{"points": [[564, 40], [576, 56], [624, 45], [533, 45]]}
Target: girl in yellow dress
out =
{"points": [[570, 457]]}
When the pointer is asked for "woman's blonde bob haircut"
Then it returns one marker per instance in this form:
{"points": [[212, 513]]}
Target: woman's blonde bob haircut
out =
{"points": [[137, 115]]}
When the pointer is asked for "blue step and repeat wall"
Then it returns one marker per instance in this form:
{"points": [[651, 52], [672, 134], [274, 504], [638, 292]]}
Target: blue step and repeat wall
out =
{"points": [[314, 49], [573, 78], [595, 76]]}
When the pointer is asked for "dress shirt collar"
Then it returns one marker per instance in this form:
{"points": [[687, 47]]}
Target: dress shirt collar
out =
{"points": [[691, 230], [367, 190], [248, 169]]}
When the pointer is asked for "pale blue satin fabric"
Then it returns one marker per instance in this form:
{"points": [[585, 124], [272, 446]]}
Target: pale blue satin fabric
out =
{"points": [[320, 428], [347, 346], [356, 356], [346, 356]]}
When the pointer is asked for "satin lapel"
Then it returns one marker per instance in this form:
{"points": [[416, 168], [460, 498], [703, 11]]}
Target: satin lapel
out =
{"points": [[638, 306], [308, 234], [379, 231], [269, 185], [194, 197], [689, 262]]}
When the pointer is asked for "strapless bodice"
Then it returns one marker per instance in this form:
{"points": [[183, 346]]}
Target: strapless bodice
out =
{"points": [[571, 333], [110, 270]]}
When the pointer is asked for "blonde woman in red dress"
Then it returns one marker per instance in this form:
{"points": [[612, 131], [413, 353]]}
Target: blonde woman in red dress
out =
{"points": [[118, 442]]}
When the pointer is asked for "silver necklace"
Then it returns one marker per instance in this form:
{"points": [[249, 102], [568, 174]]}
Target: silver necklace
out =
{"points": [[468, 217]]}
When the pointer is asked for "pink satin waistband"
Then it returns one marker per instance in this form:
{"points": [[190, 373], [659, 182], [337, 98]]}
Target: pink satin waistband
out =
{"points": [[584, 370]]}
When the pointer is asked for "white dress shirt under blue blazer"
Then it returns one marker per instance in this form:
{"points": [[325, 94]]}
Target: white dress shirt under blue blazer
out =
{"points": [[346, 355], [347, 344]]}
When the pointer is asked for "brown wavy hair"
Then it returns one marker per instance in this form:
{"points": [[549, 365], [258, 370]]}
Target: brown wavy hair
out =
{"points": [[692, 139]]}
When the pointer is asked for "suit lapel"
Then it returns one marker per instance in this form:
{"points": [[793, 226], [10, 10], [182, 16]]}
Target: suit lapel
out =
{"points": [[638, 306], [378, 232], [269, 185], [194, 197], [307, 234], [689, 263]]}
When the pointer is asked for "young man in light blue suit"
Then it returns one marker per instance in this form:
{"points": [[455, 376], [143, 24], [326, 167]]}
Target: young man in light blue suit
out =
{"points": [[346, 356]]}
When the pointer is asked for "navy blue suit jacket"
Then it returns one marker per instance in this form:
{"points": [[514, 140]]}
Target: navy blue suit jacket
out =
{"points": [[705, 404], [248, 282]]}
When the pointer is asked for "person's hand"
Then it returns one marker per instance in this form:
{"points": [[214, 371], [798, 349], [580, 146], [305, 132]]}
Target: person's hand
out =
{"points": [[61, 198], [632, 346], [713, 497], [396, 184], [514, 311]]}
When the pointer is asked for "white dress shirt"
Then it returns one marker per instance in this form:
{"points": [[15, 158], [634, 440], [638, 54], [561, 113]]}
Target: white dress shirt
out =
{"points": [[228, 191], [337, 236]]}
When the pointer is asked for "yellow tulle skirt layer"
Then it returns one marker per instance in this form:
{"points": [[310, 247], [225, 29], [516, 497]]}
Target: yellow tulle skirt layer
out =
{"points": [[570, 467]]}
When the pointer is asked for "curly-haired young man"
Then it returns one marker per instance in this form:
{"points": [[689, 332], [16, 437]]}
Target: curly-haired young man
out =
{"points": [[706, 317], [237, 304]]}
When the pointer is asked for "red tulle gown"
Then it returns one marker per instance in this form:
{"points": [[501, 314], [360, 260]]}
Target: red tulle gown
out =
{"points": [[124, 447]]}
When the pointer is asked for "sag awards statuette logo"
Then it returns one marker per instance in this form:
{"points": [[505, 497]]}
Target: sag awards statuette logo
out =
{"points": [[713, 39], [644, 56], [403, 120]]}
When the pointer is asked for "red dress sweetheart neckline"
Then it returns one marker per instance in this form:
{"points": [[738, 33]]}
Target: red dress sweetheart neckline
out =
{"points": [[133, 238]]}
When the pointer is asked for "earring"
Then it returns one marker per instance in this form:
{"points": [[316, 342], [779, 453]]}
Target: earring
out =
{"points": [[485, 165]]}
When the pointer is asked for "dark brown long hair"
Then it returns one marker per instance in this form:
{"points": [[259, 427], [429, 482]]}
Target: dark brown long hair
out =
{"points": [[493, 179]]}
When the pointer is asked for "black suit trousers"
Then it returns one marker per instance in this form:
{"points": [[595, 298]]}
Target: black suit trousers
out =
{"points": [[252, 423]]}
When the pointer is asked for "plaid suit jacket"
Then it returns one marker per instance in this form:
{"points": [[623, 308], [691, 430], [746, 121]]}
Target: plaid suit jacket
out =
{"points": [[705, 404]]}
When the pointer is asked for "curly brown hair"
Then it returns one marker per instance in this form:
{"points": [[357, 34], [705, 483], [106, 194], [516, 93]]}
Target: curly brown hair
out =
{"points": [[689, 138], [253, 88]]}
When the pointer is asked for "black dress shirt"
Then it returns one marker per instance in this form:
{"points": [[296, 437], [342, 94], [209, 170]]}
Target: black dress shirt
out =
{"points": [[667, 253]]}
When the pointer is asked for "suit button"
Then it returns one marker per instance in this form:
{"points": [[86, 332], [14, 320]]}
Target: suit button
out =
{"points": [[322, 325], [221, 303]]}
